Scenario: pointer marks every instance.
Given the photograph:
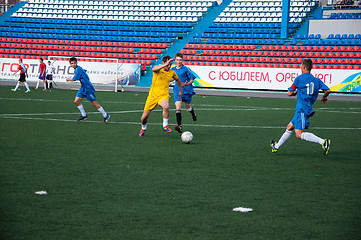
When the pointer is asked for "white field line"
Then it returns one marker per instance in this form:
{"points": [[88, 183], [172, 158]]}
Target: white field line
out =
{"points": [[249, 108], [157, 110], [57, 100], [72, 113], [193, 125]]}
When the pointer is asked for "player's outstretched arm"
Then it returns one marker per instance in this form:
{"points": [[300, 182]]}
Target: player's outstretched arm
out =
{"points": [[69, 80], [324, 99]]}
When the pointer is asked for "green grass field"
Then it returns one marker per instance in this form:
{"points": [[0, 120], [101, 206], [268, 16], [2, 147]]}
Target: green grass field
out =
{"points": [[105, 182]]}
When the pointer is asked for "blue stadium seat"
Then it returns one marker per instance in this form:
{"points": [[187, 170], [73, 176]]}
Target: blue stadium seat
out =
{"points": [[269, 42], [343, 36], [319, 42]]}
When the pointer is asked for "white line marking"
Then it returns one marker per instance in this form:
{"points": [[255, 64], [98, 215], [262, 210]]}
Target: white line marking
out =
{"points": [[193, 125], [73, 113], [55, 100], [204, 105]]}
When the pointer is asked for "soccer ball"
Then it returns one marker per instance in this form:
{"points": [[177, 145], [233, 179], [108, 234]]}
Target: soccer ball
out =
{"points": [[187, 137]]}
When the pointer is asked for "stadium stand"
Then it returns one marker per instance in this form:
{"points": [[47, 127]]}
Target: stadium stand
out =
{"points": [[134, 31], [254, 22], [246, 33], [185, 11]]}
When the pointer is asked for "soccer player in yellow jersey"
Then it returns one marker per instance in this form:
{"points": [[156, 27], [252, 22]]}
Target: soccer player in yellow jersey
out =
{"points": [[159, 93]]}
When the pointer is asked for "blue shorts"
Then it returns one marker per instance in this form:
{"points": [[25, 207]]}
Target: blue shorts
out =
{"points": [[42, 77], [88, 95], [49, 77], [300, 121], [187, 98]]}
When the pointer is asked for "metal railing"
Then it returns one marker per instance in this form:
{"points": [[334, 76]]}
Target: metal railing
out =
{"points": [[6, 4]]}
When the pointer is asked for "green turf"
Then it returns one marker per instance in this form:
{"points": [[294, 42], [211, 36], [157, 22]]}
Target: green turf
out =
{"points": [[105, 182]]}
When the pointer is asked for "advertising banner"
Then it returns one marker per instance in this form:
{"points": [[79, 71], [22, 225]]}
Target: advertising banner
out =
{"points": [[99, 72], [272, 78]]}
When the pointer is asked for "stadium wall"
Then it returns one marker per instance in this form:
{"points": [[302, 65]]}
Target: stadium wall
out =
{"points": [[326, 27], [105, 73], [101, 73], [327, 13], [272, 78]]}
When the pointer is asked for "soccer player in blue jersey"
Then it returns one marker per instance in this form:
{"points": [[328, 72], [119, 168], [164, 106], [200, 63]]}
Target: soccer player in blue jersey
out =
{"points": [[187, 78], [86, 90], [306, 87]]}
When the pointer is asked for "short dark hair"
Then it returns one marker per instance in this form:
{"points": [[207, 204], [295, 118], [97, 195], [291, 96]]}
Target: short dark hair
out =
{"points": [[41, 59], [307, 63], [73, 59], [166, 58], [179, 55]]}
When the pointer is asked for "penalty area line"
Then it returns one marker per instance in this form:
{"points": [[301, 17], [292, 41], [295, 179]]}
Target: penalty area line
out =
{"points": [[193, 125]]}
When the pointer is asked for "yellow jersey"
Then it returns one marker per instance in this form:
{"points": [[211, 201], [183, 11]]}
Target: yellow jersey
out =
{"points": [[160, 82]]}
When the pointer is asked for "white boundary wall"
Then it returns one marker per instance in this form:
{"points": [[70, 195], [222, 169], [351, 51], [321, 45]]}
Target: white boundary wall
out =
{"points": [[326, 27], [104, 73], [272, 78]]}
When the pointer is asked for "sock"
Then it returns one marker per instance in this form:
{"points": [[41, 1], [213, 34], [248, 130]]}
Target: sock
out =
{"points": [[17, 86], [26, 85], [144, 126], [165, 122], [310, 137], [37, 84], [191, 110], [101, 110], [44, 85], [81, 109], [286, 135], [179, 117], [50, 84]]}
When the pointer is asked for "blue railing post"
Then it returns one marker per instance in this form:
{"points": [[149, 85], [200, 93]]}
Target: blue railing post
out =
{"points": [[285, 18]]}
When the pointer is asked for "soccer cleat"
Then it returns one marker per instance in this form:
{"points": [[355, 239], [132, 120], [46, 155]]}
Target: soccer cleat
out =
{"points": [[13, 90], [194, 117], [178, 128], [141, 133], [82, 118], [273, 146], [106, 119], [44, 89], [326, 146], [167, 129], [27, 91], [35, 88]]}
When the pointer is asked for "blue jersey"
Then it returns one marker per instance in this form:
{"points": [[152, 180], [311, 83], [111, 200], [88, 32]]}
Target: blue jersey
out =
{"points": [[82, 76], [307, 92], [185, 75]]}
